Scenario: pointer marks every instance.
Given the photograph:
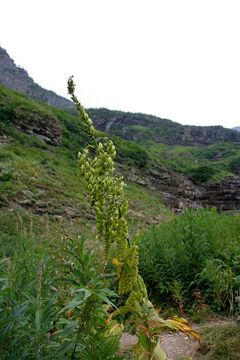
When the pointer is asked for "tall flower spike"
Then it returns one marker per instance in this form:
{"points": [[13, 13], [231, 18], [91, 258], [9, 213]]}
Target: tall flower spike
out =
{"points": [[86, 121], [106, 192]]}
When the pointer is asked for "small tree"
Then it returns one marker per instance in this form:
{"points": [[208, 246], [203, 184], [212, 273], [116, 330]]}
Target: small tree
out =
{"points": [[106, 193]]}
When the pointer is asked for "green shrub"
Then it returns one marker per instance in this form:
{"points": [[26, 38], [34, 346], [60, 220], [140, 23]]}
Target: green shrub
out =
{"points": [[6, 176], [202, 174], [131, 153], [51, 305], [234, 165], [200, 250]]}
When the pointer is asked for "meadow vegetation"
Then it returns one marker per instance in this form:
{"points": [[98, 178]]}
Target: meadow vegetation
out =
{"points": [[56, 292], [193, 261], [200, 164]]}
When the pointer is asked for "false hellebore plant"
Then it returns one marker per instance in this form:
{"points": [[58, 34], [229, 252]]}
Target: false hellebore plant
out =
{"points": [[106, 192]]}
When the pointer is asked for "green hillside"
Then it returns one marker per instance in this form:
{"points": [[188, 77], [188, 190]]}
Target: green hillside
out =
{"points": [[201, 164], [41, 194], [40, 184], [137, 127], [52, 288]]}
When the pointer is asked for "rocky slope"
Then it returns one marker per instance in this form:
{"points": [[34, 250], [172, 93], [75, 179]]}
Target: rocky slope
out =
{"points": [[237, 128], [17, 78], [179, 192], [130, 126], [138, 127], [142, 165], [32, 119]]}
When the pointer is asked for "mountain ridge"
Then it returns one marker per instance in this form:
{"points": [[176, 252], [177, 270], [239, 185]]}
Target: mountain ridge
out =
{"points": [[130, 126], [17, 78], [181, 176], [135, 126]]}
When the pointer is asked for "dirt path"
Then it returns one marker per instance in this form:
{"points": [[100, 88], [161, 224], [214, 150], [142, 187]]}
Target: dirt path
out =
{"points": [[179, 345], [176, 345]]}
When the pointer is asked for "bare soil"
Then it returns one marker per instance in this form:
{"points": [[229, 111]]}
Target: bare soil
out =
{"points": [[177, 346]]}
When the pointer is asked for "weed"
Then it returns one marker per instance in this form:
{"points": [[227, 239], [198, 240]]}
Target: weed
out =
{"points": [[199, 250]]}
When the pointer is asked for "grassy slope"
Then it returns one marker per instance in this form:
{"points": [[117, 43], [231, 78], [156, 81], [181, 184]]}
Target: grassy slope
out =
{"points": [[41, 194], [38, 179], [200, 164]]}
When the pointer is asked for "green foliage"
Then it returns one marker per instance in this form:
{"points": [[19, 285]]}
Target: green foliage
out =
{"points": [[201, 164], [131, 152], [202, 174], [106, 193], [234, 165], [199, 250], [27, 309], [52, 305]]}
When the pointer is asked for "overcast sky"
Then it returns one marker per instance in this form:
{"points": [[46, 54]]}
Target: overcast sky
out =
{"points": [[177, 59]]}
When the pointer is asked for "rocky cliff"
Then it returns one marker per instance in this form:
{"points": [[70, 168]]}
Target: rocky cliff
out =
{"points": [[177, 189], [178, 192], [139, 127], [129, 126], [17, 78], [26, 116]]}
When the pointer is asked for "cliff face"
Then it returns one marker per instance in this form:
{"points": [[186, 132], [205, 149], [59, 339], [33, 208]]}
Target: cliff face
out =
{"points": [[26, 116], [176, 189], [17, 78], [129, 126], [146, 127]]}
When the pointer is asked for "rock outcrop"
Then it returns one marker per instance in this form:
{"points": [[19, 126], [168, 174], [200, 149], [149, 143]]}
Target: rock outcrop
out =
{"points": [[147, 127], [130, 126], [45, 127], [224, 195], [178, 192], [17, 78], [17, 111]]}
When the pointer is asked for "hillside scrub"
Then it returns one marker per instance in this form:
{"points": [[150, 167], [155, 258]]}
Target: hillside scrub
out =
{"points": [[15, 106], [56, 298], [106, 192], [194, 260], [51, 306], [200, 164]]}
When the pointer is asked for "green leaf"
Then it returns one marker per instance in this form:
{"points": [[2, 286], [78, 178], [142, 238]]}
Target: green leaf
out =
{"points": [[83, 294]]}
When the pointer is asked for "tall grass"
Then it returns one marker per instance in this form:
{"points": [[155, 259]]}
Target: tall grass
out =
{"points": [[195, 252], [51, 304], [220, 342]]}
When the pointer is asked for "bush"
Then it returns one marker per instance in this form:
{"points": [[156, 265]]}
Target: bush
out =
{"points": [[51, 305], [234, 165], [195, 252], [202, 174], [131, 152]]}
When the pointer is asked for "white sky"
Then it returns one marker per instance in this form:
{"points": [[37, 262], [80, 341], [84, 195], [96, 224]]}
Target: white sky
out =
{"points": [[178, 59]]}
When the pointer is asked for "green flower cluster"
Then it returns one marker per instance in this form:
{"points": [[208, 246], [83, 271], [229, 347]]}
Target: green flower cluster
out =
{"points": [[86, 121], [107, 196], [106, 192]]}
